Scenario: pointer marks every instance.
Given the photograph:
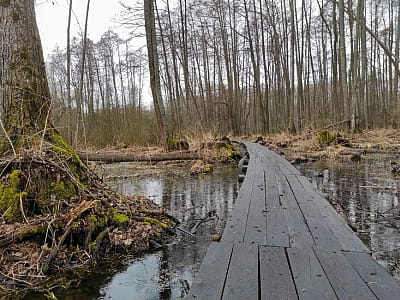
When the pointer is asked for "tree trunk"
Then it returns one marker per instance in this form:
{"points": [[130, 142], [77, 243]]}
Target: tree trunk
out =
{"points": [[150, 27], [24, 91], [45, 179]]}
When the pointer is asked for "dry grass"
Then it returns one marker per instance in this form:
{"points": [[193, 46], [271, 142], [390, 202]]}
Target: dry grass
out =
{"points": [[367, 141]]}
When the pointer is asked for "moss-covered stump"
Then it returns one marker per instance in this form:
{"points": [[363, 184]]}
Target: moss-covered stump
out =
{"points": [[57, 215], [325, 137], [200, 167], [228, 148], [176, 144]]}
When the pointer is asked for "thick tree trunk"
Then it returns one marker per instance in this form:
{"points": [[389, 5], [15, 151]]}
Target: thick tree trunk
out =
{"points": [[24, 90], [45, 179]]}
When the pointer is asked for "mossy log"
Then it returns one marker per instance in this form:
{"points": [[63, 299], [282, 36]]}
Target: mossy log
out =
{"points": [[23, 233], [115, 157]]}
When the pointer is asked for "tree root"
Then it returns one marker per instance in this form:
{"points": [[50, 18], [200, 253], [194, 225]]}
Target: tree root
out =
{"points": [[71, 219]]}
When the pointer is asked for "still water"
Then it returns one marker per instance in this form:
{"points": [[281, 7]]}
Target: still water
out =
{"points": [[368, 193], [167, 273]]}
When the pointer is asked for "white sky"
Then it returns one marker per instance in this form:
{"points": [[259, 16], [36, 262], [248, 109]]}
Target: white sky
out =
{"points": [[52, 19]]}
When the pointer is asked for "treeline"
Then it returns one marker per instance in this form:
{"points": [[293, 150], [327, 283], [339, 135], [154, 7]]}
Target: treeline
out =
{"points": [[105, 106], [256, 66]]}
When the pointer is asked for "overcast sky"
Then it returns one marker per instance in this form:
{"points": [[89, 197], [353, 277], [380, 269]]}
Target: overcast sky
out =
{"points": [[52, 19]]}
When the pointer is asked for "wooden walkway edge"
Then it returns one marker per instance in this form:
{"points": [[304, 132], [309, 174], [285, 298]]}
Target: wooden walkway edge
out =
{"points": [[285, 241]]}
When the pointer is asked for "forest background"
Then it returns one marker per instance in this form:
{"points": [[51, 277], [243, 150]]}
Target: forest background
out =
{"points": [[232, 67]]}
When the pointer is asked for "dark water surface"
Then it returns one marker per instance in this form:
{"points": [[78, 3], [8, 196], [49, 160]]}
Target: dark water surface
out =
{"points": [[167, 273], [368, 193]]}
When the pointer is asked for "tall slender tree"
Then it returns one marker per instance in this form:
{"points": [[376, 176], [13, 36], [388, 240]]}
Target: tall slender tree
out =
{"points": [[150, 26]]}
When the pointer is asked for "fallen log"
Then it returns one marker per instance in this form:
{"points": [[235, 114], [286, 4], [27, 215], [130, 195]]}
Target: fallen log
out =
{"points": [[129, 157]]}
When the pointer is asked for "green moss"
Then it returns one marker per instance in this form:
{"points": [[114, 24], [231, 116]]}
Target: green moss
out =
{"points": [[208, 168], [174, 144], [61, 146], [156, 222], [98, 221], [118, 218], [74, 162], [92, 245], [31, 231], [14, 178], [64, 191], [230, 149], [325, 137], [10, 196]]}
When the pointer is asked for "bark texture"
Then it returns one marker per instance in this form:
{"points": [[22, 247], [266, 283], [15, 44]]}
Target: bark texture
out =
{"points": [[24, 91]]}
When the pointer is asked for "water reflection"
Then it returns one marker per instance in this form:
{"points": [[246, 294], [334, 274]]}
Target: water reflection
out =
{"points": [[167, 274], [369, 194]]}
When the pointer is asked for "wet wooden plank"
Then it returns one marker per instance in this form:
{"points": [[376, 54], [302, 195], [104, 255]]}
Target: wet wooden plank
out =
{"points": [[275, 277], [236, 225], [348, 240], [379, 281], [210, 279], [309, 277], [242, 279], [277, 231], [256, 220], [286, 167], [298, 231], [344, 279], [316, 223]]}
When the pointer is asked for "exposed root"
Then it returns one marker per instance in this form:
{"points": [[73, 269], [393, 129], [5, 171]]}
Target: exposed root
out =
{"points": [[56, 215]]}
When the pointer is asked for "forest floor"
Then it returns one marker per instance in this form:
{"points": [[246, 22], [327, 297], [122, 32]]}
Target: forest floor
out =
{"points": [[296, 148], [314, 146]]}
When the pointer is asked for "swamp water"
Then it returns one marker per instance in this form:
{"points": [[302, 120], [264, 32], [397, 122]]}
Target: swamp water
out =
{"points": [[166, 273], [367, 193]]}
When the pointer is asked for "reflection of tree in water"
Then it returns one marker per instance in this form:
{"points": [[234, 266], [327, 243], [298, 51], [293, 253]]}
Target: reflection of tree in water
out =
{"points": [[188, 199], [368, 193], [165, 276]]}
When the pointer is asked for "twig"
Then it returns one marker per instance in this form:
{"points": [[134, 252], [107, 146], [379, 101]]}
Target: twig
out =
{"points": [[185, 231], [22, 209], [45, 128], [8, 138], [75, 214], [15, 279]]}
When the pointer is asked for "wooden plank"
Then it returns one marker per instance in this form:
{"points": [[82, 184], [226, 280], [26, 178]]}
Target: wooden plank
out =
{"points": [[256, 221], [275, 277], [216, 262], [242, 279], [348, 240], [277, 231], [316, 223], [344, 279], [298, 231], [383, 285], [309, 277], [285, 167], [235, 227]]}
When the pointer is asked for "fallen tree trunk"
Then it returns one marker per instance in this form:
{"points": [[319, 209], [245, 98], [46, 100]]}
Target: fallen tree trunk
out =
{"points": [[115, 157]]}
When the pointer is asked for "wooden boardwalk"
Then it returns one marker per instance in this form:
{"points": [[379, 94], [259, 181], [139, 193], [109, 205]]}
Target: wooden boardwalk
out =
{"points": [[285, 241]]}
